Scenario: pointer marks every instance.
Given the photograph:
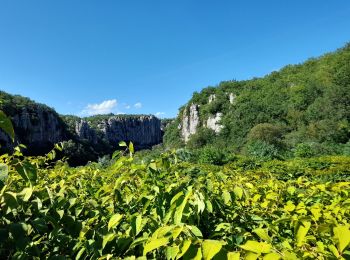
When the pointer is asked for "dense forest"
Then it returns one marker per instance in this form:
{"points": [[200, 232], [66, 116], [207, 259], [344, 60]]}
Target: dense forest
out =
{"points": [[300, 110]]}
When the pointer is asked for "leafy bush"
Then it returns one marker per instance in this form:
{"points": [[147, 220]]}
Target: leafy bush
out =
{"points": [[212, 155], [267, 133], [311, 149], [168, 209], [204, 136], [263, 150]]}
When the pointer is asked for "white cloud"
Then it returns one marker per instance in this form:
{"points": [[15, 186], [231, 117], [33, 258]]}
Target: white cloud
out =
{"points": [[138, 105], [160, 114], [127, 106], [104, 107]]}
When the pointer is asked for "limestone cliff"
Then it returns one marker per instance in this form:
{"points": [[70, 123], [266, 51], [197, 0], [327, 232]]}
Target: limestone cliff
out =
{"points": [[190, 121], [36, 126], [40, 127], [143, 130]]}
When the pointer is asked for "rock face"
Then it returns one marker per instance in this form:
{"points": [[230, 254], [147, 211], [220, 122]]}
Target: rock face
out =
{"points": [[213, 122], [232, 98], [84, 131], [143, 131], [38, 128], [211, 98], [190, 121]]}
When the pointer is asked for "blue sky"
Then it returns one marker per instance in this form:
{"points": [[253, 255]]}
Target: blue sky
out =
{"points": [[86, 57]]}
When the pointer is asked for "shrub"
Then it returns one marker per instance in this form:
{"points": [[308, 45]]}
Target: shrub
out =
{"points": [[266, 132], [204, 136], [263, 150], [212, 155]]}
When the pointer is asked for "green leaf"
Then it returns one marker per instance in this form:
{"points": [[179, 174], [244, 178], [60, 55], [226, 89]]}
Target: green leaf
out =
{"points": [[107, 238], [171, 252], [180, 209], [136, 224], [114, 220], [6, 125], [251, 256], [263, 234], [289, 256], [302, 230], [256, 247], [342, 237], [195, 231], [27, 193], [177, 231], [184, 247], [210, 248], [193, 253], [238, 192], [290, 206], [233, 255], [272, 256], [3, 174], [154, 244], [226, 196], [131, 148], [10, 199], [40, 225], [122, 144], [334, 250], [80, 253], [27, 171]]}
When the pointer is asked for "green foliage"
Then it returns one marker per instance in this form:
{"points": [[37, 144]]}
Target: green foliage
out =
{"points": [[170, 209], [172, 134], [302, 103], [212, 155], [268, 133], [263, 150], [204, 136], [6, 125]]}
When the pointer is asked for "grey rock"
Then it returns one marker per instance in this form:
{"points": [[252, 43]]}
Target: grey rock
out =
{"points": [[211, 98], [213, 122], [190, 122]]}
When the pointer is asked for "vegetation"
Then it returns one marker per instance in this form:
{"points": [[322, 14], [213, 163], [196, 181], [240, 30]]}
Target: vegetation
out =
{"points": [[300, 105], [169, 209], [261, 189]]}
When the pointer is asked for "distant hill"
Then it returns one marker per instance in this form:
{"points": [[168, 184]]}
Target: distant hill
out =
{"points": [[305, 105], [39, 127]]}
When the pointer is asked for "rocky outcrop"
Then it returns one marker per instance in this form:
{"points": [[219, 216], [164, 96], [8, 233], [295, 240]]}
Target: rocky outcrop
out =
{"points": [[190, 121], [143, 131], [232, 98], [211, 98], [84, 131], [39, 128], [213, 122]]}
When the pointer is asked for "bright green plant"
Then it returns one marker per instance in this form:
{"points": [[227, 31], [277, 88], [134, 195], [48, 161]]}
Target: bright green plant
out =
{"points": [[169, 209]]}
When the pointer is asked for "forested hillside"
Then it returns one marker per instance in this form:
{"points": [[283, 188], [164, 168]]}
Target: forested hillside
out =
{"points": [[300, 110]]}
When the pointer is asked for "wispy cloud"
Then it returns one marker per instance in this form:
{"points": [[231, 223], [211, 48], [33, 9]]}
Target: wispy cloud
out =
{"points": [[104, 107], [138, 105], [127, 106], [160, 114]]}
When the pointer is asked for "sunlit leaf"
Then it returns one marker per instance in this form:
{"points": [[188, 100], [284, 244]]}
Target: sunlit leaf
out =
{"points": [[114, 220], [256, 247], [342, 237], [210, 248], [154, 244]]}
